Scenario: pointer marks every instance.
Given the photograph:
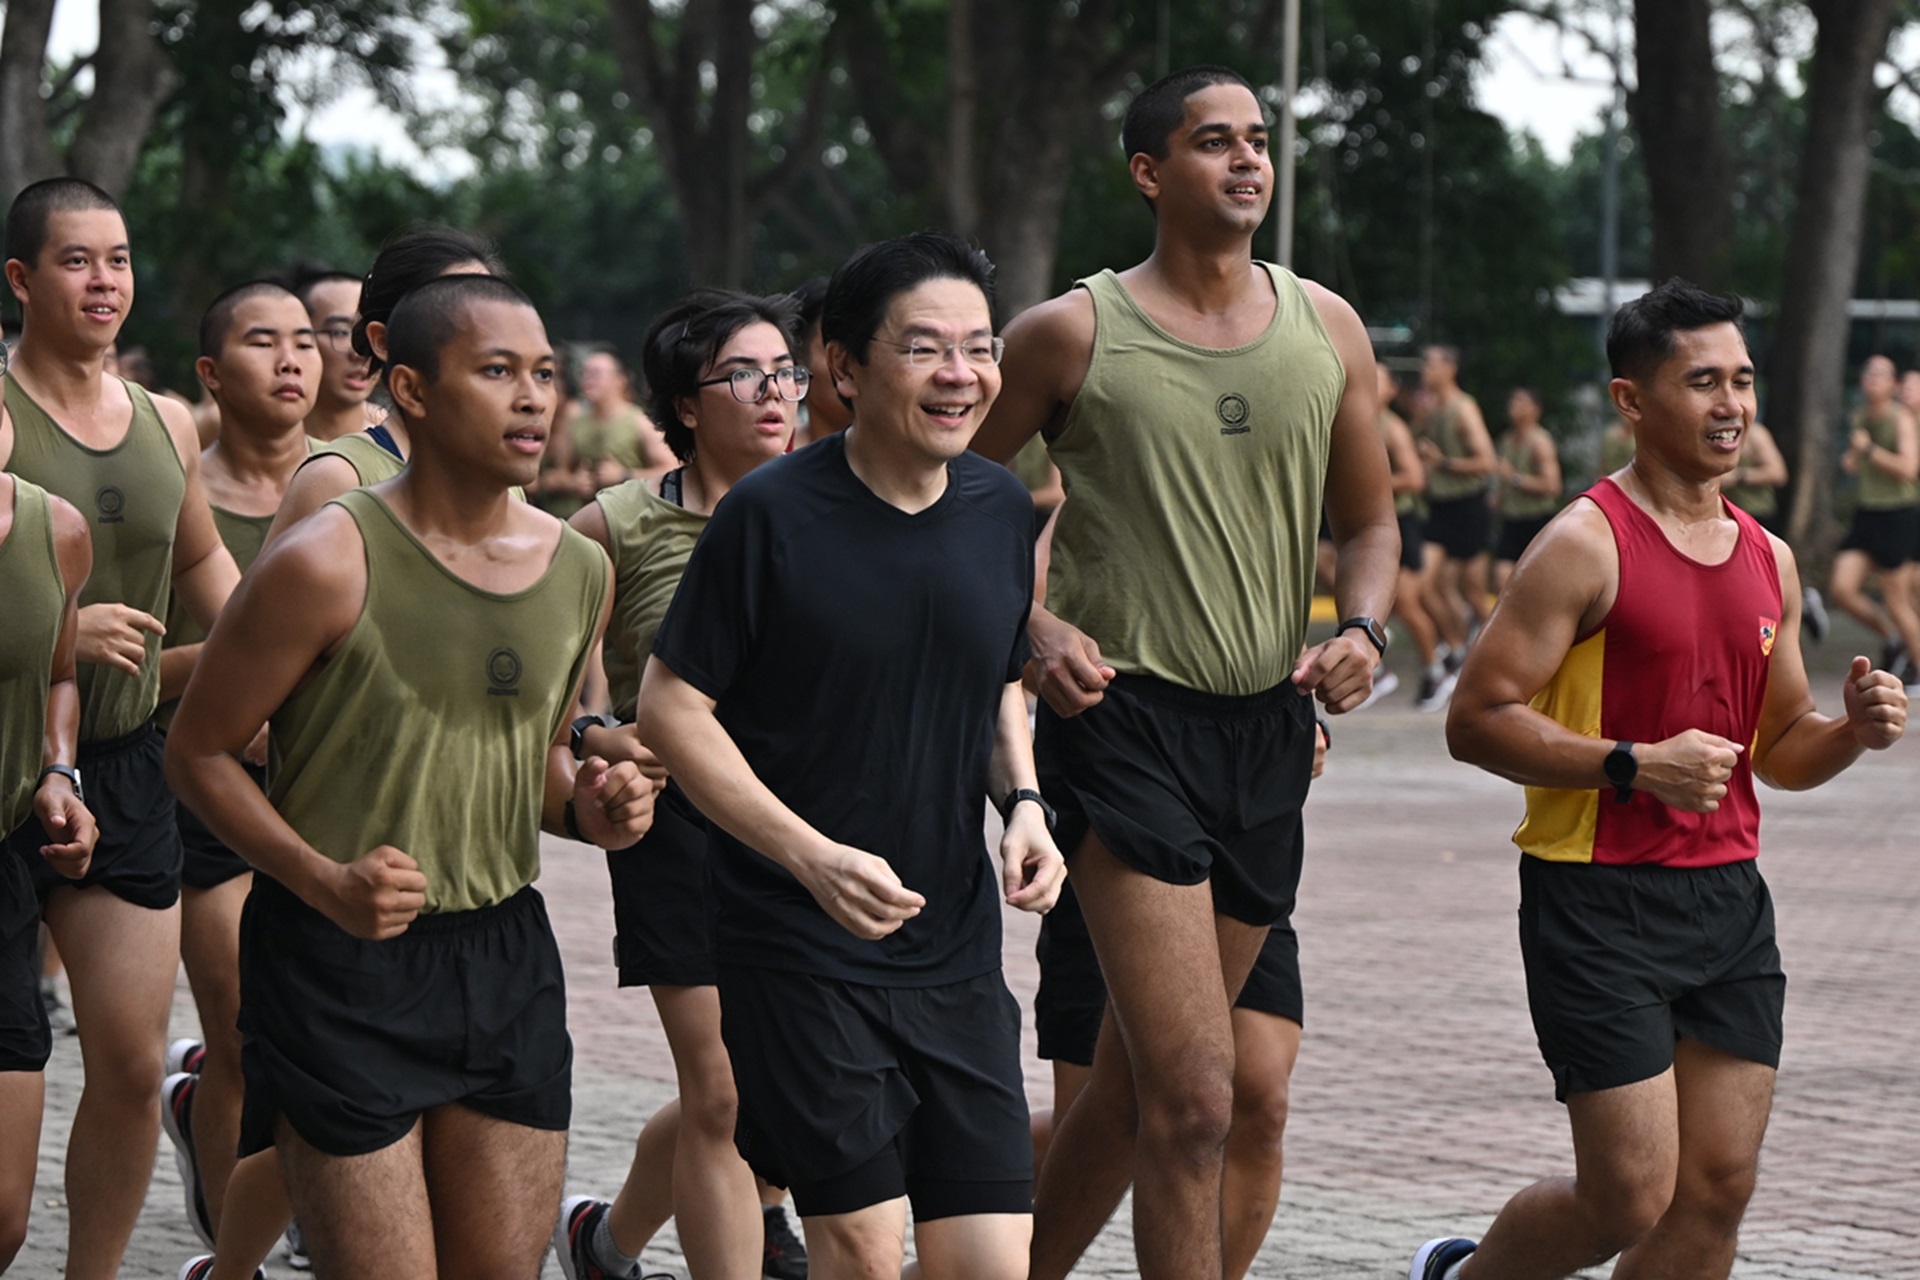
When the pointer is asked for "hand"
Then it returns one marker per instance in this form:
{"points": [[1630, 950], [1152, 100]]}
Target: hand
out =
{"points": [[1428, 450], [114, 635], [71, 830], [622, 742], [1876, 706], [1687, 771], [376, 896], [860, 891], [1319, 749], [613, 803], [608, 473], [256, 752], [1339, 672], [1031, 868], [1065, 669], [1861, 441]]}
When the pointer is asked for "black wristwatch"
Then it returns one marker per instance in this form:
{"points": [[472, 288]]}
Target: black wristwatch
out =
{"points": [[576, 741], [66, 771], [1375, 632], [1621, 769], [1027, 793]]}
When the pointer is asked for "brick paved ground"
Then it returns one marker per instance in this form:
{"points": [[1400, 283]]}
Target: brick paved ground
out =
{"points": [[1420, 1103]]}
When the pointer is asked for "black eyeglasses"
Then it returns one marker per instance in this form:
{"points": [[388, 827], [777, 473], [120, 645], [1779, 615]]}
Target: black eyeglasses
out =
{"points": [[749, 386], [337, 336]]}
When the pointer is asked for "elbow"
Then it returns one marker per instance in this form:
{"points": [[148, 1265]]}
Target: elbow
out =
{"points": [[1462, 742]]}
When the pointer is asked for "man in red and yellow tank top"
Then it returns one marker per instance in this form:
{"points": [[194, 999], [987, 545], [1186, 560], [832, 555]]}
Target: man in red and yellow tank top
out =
{"points": [[1641, 670]]}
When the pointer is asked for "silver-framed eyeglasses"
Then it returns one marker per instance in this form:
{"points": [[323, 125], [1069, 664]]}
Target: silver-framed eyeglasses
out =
{"points": [[926, 353], [749, 385]]}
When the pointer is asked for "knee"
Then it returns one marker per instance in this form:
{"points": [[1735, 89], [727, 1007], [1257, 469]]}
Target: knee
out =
{"points": [[1192, 1118], [712, 1108], [853, 1246], [1717, 1196], [1260, 1113], [1623, 1209]]}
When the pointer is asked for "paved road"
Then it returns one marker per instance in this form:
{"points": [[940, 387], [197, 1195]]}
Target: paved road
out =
{"points": [[1420, 1102]]}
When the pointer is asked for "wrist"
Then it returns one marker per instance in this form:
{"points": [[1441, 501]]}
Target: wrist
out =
{"points": [[61, 775]]}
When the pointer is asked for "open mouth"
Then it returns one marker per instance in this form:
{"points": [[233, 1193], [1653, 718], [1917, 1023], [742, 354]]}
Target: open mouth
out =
{"points": [[1723, 437], [952, 414]]}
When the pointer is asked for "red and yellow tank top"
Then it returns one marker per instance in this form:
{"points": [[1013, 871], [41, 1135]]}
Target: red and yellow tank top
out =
{"points": [[1685, 646]]}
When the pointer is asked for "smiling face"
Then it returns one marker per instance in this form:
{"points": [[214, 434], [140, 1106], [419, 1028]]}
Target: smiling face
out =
{"points": [[932, 410], [76, 295], [728, 432], [490, 405], [1693, 411], [333, 306], [268, 369], [1216, 173]]}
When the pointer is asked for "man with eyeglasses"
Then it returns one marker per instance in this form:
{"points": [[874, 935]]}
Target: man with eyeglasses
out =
{"points": [[332, 300], [874, 1044], [1201, 406]]}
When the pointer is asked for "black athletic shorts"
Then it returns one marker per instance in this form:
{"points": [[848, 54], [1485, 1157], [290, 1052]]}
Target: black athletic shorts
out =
{"points": [[138, 854], [207, 863], [1072, 996], [1187, 787], [662, 914], [853, 1095], [1890, 537], [1623, 961], [26, 1039], [352, 1041], [1413, 536], [1516, 534], [1463, 527]]}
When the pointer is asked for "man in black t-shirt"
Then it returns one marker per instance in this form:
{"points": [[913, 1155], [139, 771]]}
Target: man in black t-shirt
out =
{"points": [[858, 919]]}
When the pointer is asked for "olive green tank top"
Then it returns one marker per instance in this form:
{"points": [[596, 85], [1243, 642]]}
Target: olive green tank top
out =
{"points": [[130, 495], [598, 439], [1404, 504], [429, 729], [1761, 501], [1878, 490], [1444, 429], [652, 539], [1515, 502], [369, 460], [243, 536], [1194, 478], [36, 601]]}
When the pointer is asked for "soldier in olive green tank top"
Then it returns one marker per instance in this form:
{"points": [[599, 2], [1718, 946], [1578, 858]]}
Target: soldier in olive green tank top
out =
{"points": [[36, 602], [1883, 451]]}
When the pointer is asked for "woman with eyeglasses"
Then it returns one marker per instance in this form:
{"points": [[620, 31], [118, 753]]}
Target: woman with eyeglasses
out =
{"points": [[724, 387]]}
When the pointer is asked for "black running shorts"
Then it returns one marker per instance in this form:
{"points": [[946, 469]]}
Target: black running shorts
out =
{"points": [[206, 862], [1623, 961], [1072, 995], [1413, 537], [1890, 537], [138, 854], [853, 1095], [1515, 535], [1463, 527], [662, 914], [352, 1041], [26, 1040], [1187, 787]]}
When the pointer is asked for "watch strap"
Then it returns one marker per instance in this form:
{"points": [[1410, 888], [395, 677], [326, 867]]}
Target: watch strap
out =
{"points": [[67, 771], [1370, 627], [1621, 768], [1020, 794]]}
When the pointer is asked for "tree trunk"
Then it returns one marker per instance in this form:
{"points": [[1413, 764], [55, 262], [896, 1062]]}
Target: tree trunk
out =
{"points": [[1676, 116], [131, 78], [1823, 255], [963, 99], [26, 154]]}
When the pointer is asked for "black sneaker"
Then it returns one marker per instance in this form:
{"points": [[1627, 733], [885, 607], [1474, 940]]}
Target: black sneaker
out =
{"points": [[786, 1257], [176, 1116], [573, 1243], [1890, 654], [1433, 1258]]}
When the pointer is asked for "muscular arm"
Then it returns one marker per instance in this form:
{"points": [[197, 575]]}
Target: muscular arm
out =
{"points": [[204, 573], [319, 480], [1409, 474], [612, 802], [69, 827], [1480, 459], [1049, 348]]}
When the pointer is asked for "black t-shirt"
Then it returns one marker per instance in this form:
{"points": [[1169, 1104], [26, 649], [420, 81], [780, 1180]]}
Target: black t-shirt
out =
{"points": [[858, 654]]}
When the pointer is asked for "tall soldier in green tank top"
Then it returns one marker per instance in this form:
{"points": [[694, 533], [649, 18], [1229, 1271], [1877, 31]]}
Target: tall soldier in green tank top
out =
{"points": [[1408, 477], [1884, 452], [45, 556], [416, 648], [260, 362], [1200, 406], [1529, 475], [131, 465], [1458, 451]]}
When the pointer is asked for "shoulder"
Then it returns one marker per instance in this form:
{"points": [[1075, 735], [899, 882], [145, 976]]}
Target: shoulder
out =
{"points": [[990, 485], [72, 541], [323, 553], [1061, 323], [176, 417], [1335, 312]]}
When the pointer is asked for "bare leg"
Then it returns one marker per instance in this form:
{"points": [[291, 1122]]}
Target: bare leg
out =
{"points": [[980, 1246], [1443, 601], [363, 1215], [1845, 589], [1069, 1078], [120, 961], [645, 1201], [715, 1204], [23, 1097], [210, 946], [1896, 589], [866, 1244], [1412, 610], [255, 1215], [494, 1188], [1265, 1049]]}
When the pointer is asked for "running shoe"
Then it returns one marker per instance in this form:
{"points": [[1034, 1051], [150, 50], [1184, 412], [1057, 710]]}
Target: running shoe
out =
{"points": [[1384, 683], [176, 1116], [1435, 691], [1436, 1257], [1813, 612], [1890, 654], [573, 1243], [1910, 677], [296, 1247], [1453, 660], [786, 1257], [201, 1267], [186, 1055]]}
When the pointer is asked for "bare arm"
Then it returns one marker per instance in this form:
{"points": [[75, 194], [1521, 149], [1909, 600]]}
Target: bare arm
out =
{"points": [[1902, 462], [1409, 474], [1049, 348], [68, 824], [612, 803], [1546, 460], [1480, 459], [320, 480], [1032, 869], [1769, 468]]}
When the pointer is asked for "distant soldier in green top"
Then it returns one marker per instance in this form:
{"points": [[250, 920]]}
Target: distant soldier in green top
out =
{"points": [[1458, 451], [613, 439], [45, 556], [1200, 407], [130, 463], [341, 407], [416, 647], [1882, 450], [1530, 481], [1409, 479], [260, 362]]}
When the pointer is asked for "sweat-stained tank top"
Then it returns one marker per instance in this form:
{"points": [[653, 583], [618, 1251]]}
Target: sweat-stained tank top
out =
{"points": [[1685, 646], [130, 495], [651, 539], [1194, 477], [429, 729], [34, 600]]}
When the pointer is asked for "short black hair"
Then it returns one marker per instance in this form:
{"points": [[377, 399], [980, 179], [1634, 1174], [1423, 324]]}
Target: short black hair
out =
{"points": [[33, 209], [866, 284], [686, 338], [1532, 393], [1640, 336], [217, 320], [408, 260], [1157, 110], [429, 317], [305, 277], [809, 297]]}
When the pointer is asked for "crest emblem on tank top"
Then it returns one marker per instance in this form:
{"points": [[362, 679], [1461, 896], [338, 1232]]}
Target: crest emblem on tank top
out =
{"points": [[112, 505], [503, 673], [1769, 627], [1234, 413]]}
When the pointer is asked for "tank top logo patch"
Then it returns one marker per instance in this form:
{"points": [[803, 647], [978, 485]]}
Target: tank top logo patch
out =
{"points": [[1233, 411], [112, 504], [503, 673], [1768, 628]]}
